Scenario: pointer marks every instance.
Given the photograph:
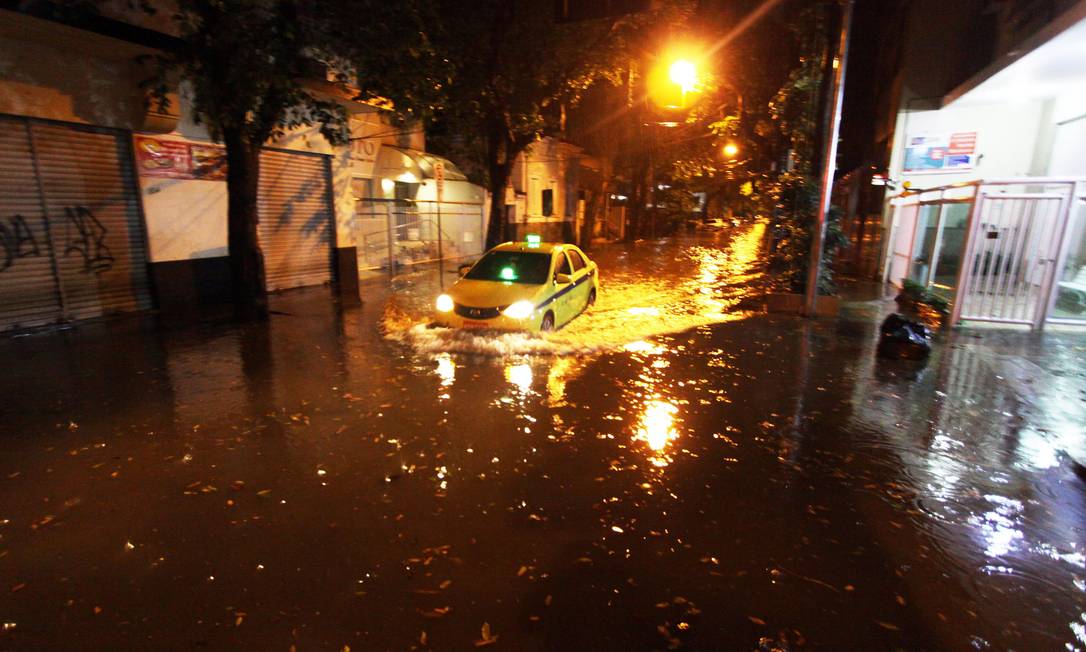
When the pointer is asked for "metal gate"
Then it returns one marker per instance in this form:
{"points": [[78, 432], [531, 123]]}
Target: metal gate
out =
{"points": [[993, 249], [399, 234], [297, 225], [1011, 257], [72, 242]]}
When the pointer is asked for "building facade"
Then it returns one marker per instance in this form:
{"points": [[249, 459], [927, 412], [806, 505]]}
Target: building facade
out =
{"points": [[986, 161], [108, 206]]}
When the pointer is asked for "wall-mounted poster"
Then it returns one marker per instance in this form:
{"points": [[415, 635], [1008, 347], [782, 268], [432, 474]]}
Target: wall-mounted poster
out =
{"points": [[208, 162], [955, 152], [157, 157], [175, 159]]}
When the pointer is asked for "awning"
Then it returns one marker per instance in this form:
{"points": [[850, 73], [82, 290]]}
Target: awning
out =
{"points": [[412, 166], [1047, 65]]}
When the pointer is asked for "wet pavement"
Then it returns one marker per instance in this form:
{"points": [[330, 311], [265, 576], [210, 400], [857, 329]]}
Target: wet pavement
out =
{"points": [[674, 470]]}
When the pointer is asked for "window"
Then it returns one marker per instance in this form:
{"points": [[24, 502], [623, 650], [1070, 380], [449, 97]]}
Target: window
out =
{"points": [[563, 265], [362, 191], [512, 267], [548, 202], [577, 260]]}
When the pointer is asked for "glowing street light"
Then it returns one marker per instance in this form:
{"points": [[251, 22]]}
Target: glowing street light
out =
{"points": [[730, 150], [684, 74]]}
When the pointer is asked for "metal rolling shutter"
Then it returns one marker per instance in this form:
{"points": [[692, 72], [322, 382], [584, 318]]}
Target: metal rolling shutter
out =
{"points": [[28, 290], [296, 219], [71, 235], [94, 219]]}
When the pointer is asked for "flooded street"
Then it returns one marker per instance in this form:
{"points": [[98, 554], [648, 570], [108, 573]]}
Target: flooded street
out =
{"points": [[673, 470]]}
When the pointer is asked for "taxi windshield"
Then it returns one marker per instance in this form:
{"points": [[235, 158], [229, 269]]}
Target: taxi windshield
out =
{"points": [[512, 267]]}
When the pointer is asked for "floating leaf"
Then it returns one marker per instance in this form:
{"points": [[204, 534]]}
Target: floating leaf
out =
{"points": [[485, 637]]}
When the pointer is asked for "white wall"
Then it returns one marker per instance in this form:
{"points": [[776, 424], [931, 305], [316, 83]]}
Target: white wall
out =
{"points": [[548, 163], [1007, 135], [186, 218], [1068, 150]]}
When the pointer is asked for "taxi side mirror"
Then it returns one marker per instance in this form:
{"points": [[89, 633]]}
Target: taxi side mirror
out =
{"points": [[562, 279], [463, 269]]}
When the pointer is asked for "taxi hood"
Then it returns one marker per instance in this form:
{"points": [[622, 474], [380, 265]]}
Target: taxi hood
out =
{"points": [[488, 294]]}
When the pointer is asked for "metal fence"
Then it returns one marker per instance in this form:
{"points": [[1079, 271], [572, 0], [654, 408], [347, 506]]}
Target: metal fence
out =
{"points": [[394, 235], [1000, 251]]}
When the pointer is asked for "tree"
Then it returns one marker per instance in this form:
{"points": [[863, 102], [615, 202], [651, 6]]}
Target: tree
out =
{"points": [[513, 72], [242, 65]]}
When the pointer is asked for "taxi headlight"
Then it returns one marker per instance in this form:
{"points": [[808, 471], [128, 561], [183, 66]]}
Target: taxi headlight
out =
{"points": [[519, 310], [444, 303]]}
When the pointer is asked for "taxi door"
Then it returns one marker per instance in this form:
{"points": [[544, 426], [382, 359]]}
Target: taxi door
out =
{"points": [[584, 285], [564, 309]]}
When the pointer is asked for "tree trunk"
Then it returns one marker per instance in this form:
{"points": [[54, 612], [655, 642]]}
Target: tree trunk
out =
{"points": [[501, 152], [499, 179], [592, 205], [247, 285]]}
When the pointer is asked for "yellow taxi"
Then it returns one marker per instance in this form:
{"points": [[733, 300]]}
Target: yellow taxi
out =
{"points": [[523, 286]]}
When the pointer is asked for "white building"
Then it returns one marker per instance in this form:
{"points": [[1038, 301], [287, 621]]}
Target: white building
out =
{"points": [[544, 192], [1000, 229]]}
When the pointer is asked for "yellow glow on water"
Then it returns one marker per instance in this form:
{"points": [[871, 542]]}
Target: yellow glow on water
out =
{"points": [[720, 272], [657, 429], [561, 371], [446, 369], [520, 375], [703, 284]]}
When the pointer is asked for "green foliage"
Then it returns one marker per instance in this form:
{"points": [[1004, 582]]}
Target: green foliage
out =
{"points": [[241, 64], [792, 200], [919, 293], [512, 70]]}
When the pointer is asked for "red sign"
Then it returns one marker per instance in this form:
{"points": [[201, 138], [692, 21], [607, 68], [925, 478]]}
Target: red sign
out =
{"points": [[163, 158], [208, 162], [174, 159], [962, 143], [439, 178]]}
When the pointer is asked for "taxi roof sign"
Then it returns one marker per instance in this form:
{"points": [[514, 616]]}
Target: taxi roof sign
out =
{"points": [[533, 239]]}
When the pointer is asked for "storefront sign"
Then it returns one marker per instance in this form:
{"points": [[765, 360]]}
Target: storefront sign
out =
{"points": [[439, 179], [168, 159], [174, 159], [955, 152], [208, 162]]}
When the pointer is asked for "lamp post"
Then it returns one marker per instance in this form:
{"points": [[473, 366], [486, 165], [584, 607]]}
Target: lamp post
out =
{"points": [[829, 157], [681, 73]]}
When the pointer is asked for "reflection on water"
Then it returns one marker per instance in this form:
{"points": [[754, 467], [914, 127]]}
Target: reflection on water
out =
{"points": [[977, 445], [562, 370], [520, 376], [657, 429], [446, 369], [644, 294], [998, 527]]}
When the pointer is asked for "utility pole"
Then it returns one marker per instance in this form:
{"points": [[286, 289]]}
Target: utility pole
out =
{"points": [[829, 159]]}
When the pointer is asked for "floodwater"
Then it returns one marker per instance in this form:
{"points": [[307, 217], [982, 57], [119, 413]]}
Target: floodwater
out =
{"points": [[673, 470]]}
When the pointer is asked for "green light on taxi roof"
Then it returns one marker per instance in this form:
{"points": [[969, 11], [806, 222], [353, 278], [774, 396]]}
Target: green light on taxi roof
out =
{"points": [[533, 240], [508, 274]]}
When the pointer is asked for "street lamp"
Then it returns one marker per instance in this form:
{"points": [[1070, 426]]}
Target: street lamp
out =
{"points": [[684, 74], [730, 151]]}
